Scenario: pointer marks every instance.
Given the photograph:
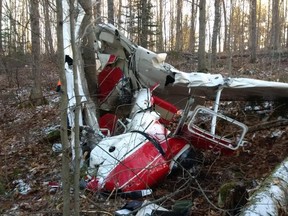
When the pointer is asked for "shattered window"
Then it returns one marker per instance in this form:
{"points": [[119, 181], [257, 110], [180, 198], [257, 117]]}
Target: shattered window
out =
{"points": [[217, 128]]}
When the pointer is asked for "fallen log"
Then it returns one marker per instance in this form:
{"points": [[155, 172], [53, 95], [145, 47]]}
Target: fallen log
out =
{"points": [[272, 197], [268, 125]]}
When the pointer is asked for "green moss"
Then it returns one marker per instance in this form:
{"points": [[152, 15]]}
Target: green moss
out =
{"points": [[224, 192], [233, 196], [38, 101], [16, 173], [25, 104], [52, 136], [33, 103], [2, 187]]}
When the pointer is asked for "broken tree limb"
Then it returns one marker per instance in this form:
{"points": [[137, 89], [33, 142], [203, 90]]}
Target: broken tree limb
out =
{"points": [[272, 197], [268, 125]]}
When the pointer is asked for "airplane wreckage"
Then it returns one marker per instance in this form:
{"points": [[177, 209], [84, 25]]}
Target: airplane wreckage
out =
{"points": [[142, 134]]}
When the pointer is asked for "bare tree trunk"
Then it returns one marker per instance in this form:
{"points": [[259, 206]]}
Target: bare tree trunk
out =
{"points": [[202, 37], [285, 36], [110, 8], [282, 24], [253, 34], [172, 24], [179, 35], [36, 95], [2, 66], [165, 31], [48, 36], [63, 108], [259, 14], [268, 28], [2, 63], [229, 43], [160, 26], [275, 26], [1, 44], [192, 39], [88, 51], [97, 11], [25, 29], [215, 32], [77, 109], [119, 13], [12, 26], [241, 40], [144, 24], [225, 43]]}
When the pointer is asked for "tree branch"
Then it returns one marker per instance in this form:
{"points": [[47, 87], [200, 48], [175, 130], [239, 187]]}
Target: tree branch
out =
{"points": [[268, 125]]}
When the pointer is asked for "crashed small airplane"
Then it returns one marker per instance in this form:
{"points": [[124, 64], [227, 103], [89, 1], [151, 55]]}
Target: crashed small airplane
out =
{"points": [[144, 134]]}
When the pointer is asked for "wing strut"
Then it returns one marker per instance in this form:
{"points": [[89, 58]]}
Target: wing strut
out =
{"points": [[216, 107]]}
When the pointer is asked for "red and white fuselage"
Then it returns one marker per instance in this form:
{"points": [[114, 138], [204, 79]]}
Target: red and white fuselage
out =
{"points": [[139, 158]]}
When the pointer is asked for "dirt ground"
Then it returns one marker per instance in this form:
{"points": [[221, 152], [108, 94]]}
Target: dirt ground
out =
{"points": [[29, 164]]}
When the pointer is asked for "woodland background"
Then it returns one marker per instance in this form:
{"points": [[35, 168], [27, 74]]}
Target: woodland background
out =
{"points": [[232, 37], [204, 27]]}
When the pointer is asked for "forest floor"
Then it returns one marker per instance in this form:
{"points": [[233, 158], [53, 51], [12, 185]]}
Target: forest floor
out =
{"points": [[28, 163]]}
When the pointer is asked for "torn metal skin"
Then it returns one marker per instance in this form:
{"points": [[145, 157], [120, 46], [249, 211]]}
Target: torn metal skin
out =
{"points": [[142, 137]]}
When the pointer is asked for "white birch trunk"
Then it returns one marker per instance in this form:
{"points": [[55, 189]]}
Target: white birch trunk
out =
{"points": [[272, 197]]}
